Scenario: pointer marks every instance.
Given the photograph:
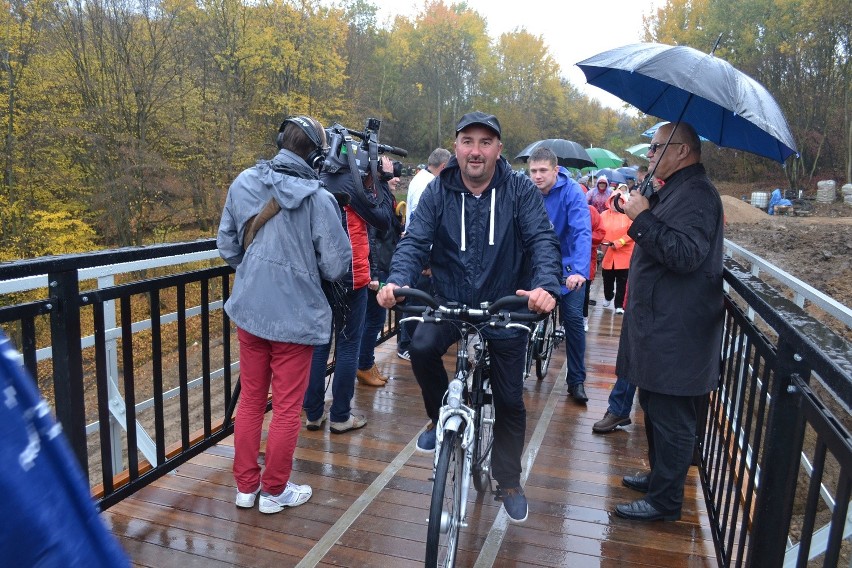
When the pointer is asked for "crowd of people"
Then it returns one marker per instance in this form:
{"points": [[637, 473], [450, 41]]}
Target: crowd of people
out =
{"points": [[474, 230]]}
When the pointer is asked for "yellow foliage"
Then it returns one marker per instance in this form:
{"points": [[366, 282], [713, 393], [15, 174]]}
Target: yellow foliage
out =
{"points": [[60, 233]]}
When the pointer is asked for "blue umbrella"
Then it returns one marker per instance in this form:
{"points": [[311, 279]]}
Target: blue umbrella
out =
{"points": [[629, 173], [613, 176], [679, 83], [651, 131]]}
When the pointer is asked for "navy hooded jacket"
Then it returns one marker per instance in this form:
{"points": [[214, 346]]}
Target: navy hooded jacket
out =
{"points": [[480, 249]]}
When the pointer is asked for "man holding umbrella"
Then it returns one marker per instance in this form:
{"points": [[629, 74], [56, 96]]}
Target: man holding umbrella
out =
{"points": [[671, 336]]}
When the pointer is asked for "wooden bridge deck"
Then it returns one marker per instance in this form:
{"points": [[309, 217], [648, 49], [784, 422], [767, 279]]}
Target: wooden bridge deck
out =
{"points": [[371, 491]]}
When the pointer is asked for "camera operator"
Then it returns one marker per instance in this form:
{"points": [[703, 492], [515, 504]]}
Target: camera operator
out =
{"points": [[382, 245], [281, 231], [370, 205]]}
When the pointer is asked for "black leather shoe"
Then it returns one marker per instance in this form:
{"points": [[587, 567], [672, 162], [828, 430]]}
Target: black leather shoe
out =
{"points": [[578, 393], [641, 510], [639, 482]]}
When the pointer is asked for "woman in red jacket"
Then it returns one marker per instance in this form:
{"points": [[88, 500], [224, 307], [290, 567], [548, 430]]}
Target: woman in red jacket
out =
{"points": [[597, 238], [616, 260]]}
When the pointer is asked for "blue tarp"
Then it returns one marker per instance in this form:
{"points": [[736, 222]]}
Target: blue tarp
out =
{"points": [[47, 517], [776, 199]]}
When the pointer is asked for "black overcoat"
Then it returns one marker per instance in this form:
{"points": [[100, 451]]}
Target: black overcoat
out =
{"points": [[671, 336]]}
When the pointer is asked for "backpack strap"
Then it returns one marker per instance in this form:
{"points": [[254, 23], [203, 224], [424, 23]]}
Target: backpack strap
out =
{"points": [[255, 223]]}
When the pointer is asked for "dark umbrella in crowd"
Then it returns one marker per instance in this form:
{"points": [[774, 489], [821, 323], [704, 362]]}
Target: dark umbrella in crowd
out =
{"points": [[568, 153], [679, 83]]}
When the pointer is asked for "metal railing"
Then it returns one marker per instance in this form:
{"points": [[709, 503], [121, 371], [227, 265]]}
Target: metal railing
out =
{"points": [[775, 456], [141, 367], [161, 340]]}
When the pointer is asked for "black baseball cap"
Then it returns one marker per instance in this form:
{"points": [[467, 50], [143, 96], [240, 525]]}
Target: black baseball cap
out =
{"points": [[477, 117]]}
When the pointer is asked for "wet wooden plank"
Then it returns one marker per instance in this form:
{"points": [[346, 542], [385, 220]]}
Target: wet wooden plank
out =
{"points": [[188, 518]]}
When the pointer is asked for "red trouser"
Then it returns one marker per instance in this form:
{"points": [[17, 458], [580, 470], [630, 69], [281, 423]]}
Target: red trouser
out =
{"points": [[284, 366]]}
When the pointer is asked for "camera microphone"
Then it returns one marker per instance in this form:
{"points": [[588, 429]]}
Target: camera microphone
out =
{"points": [[393, 150]]}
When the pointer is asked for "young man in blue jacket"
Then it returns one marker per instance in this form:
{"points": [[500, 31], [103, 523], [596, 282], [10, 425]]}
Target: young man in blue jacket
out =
{"points": [[478, 225], [567, 209]]}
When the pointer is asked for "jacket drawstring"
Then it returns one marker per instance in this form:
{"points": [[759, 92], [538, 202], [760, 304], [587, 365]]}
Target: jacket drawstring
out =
{"points": [[491, 221], [491, 230], [463, 234]]}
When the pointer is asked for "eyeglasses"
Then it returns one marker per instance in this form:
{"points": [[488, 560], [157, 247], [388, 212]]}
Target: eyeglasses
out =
{"points": [[652, 148]]}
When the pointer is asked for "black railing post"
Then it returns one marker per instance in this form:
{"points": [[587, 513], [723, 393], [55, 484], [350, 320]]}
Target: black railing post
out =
{"points": [[780, 462], [68, 361]]}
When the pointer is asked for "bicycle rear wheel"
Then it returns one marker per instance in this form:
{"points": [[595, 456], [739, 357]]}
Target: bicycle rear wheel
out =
{"points": [[442, 536], [542, 364]]}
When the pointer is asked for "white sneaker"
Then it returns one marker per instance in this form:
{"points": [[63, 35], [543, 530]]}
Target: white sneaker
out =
{"points": [[585, 324], [619, 310], [246, 500], [292, 496], [606, 303]]}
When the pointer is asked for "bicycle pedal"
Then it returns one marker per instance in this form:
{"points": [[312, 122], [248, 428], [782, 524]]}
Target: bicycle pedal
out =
{"points": [[559, 334]]}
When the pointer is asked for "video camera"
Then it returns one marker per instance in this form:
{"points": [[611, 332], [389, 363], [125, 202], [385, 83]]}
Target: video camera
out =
{"points": [[345, 153]]}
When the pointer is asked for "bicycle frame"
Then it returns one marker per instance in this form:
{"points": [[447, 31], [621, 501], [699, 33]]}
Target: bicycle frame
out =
{"points": [[458, 416], [456, 413]]}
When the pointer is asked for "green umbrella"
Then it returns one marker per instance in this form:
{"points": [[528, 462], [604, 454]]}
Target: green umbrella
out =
{"points": [[604, 158], [639, 150]]}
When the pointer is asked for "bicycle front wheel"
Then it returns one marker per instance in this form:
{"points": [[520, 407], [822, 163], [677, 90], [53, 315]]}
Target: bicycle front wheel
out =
{"points": [[442, 536], [530, 355], [482, 401], [542, 364]]}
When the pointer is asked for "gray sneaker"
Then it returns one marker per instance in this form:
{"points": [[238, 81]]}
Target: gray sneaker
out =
{"points": [[292, 496], [353, 423], [313, 425]]}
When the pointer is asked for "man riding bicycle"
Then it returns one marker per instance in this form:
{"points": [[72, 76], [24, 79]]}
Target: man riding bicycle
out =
{"points": [[485, 233]]}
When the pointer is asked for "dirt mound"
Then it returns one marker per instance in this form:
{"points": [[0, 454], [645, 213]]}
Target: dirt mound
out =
{"points": [[738, 211]]}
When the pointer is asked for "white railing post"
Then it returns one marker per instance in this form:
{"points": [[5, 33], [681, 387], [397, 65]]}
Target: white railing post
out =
{"points": [[117, 405]]}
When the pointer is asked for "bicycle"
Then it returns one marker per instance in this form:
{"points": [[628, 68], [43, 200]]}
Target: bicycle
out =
{"points": [[544, 340], [464, 430]]}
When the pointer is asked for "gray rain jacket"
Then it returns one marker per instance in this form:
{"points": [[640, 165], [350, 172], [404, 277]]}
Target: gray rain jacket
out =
{"points": [[277, 291], [481, 248]]}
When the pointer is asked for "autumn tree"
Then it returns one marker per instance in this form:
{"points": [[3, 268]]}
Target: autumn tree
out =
{"points": [[799, 50]]}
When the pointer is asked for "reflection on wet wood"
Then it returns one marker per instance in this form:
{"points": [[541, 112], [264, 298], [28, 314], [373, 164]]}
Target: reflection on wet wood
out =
{"points": [[188, 519]]}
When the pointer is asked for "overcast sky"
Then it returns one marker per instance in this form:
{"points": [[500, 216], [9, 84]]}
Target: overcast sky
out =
{"points": [[572, 30]]}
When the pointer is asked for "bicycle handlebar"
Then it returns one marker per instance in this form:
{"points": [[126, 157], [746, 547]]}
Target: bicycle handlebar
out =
{"points": [[500, 308], [415, 294]]}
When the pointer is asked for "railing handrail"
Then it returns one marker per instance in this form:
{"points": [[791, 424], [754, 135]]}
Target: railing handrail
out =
{"points": [[34, 282], [802, 290], [62, 263]]}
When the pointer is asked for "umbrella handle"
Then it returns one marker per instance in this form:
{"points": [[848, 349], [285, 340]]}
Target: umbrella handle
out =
{"points": [[646, 189]]}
